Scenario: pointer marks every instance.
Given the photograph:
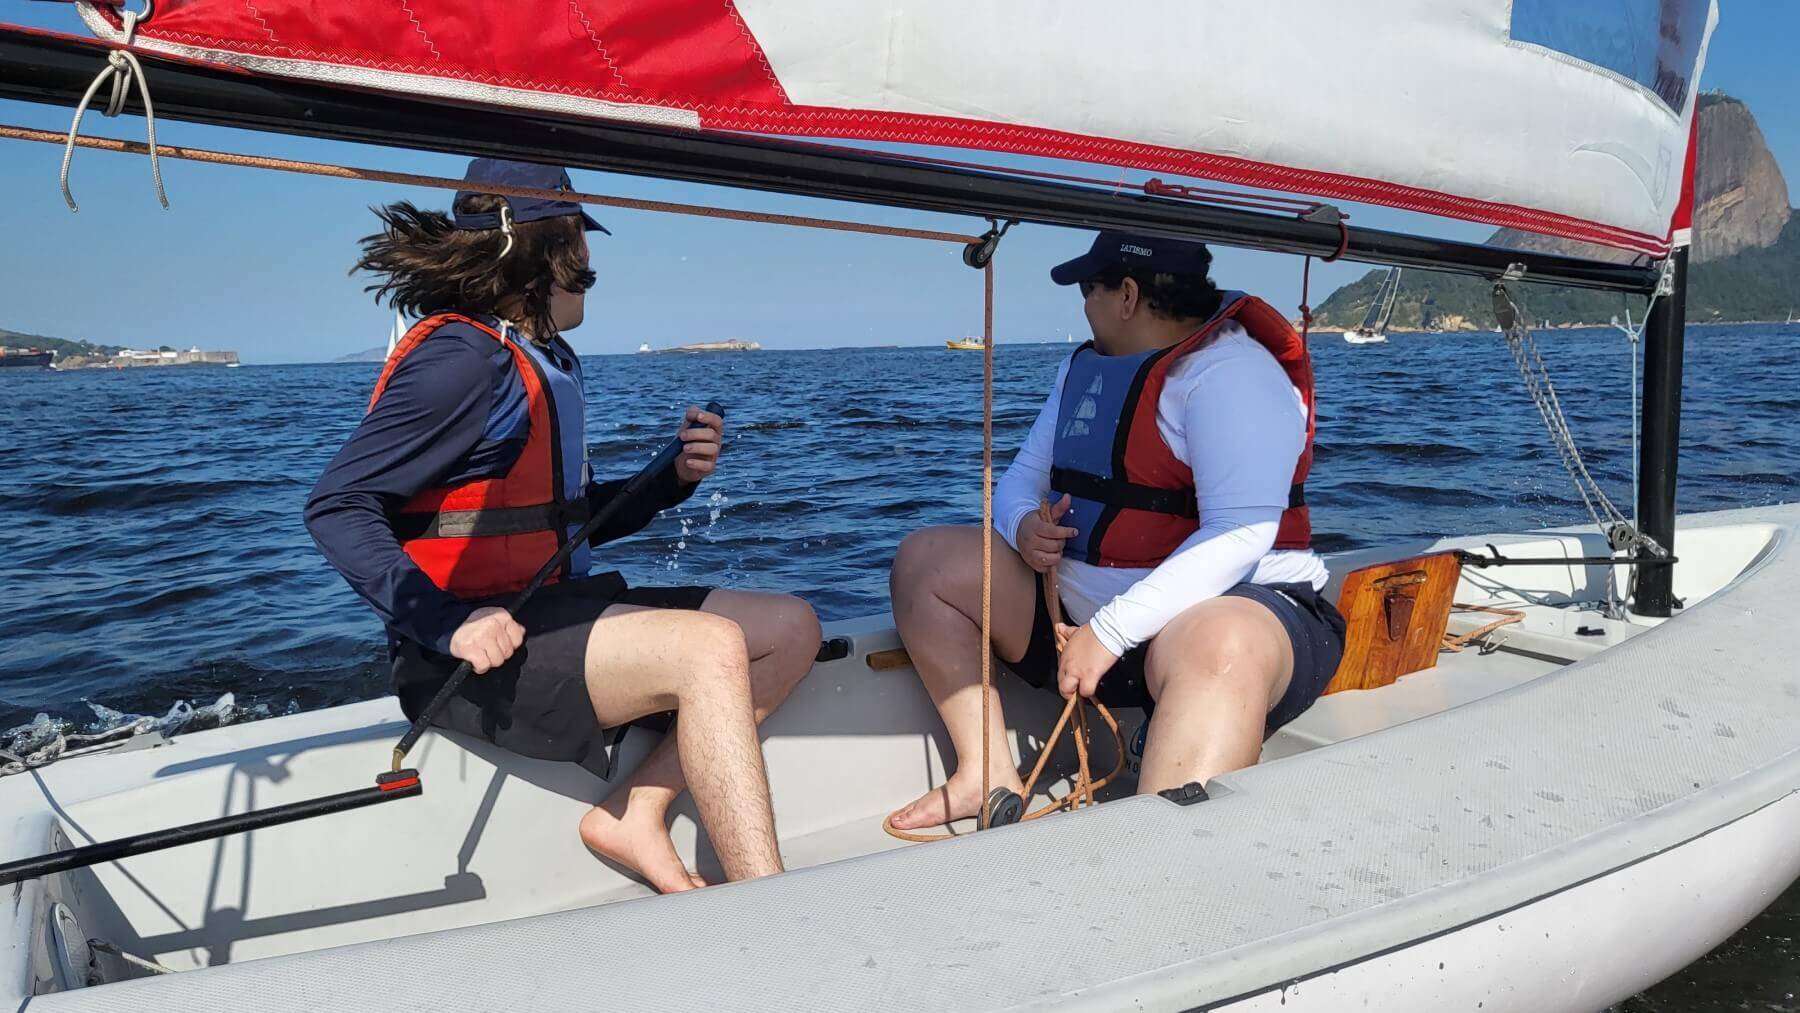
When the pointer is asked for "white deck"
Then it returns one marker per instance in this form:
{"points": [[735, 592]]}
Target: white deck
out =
{"points": [[1482, 774]]}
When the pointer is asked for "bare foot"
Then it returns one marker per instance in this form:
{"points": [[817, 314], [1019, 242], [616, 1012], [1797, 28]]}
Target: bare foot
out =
{"points": [[641, 845], [959, 798]]}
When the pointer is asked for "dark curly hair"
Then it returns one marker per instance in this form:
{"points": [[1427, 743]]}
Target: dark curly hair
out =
{"points": [[427, 265], [1170, 296]]}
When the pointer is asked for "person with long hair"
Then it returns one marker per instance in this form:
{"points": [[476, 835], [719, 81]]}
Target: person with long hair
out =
{"points": [[470, 470]]}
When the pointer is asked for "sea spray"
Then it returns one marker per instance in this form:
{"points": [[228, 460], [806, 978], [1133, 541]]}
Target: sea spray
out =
{"points": [[45, 739], [715, 509]]}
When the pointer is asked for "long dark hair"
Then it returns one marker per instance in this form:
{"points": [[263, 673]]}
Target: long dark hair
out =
{"points": [[427, 265]]}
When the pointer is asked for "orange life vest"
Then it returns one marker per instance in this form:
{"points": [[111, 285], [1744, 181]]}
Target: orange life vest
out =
{"points": [[489, 536]]}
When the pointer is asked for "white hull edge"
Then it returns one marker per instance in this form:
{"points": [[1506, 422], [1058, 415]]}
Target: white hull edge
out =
{"points": [[1581, 949]]}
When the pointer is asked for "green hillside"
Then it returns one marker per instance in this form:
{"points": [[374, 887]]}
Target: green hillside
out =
{"points": [[61, 346], [1753, 284]]}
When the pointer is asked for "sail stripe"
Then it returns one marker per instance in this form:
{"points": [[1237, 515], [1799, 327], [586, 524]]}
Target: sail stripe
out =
{"points": [[907, 128]]}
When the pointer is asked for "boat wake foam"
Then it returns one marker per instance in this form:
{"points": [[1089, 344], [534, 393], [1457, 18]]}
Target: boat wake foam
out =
{"points": [[45, 739]]}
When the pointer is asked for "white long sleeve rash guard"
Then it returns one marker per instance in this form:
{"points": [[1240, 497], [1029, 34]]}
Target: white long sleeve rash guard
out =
{"points": [[1229, 412]]}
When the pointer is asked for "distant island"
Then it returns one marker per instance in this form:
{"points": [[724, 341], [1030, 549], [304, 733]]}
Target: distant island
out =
{"points": [[732, 345], [89, 355], [131, 358], [376, 354], [1745, 262]]}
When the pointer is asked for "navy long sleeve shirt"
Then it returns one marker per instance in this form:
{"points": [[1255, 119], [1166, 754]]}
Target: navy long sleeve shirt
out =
{"points": [[453, 411]]}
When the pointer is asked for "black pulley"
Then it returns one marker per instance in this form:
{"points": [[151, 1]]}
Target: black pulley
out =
{"points": [[1004, 808], [979, 255]]}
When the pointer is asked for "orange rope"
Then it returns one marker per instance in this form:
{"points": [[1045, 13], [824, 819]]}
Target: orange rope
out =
{"points": [[1084, 790], [443, 182], [1455, 644], [987, 533]]}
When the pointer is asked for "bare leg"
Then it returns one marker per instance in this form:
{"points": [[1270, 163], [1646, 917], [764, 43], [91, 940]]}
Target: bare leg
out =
{"points": [[936, 592], [631, 825], [641, 661], [1214, 672]]}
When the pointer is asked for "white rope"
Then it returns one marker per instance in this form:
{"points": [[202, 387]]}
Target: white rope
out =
{"points": [[122, 70], [141, 963], [506, 227], [1634, 334]]}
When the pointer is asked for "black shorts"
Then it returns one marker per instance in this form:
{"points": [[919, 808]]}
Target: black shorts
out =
{"points": [[536, 704], [1314, 628]]}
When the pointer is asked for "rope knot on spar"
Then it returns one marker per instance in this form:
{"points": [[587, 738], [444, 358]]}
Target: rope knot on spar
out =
{"points": [[1328, 215], [122, 70]]}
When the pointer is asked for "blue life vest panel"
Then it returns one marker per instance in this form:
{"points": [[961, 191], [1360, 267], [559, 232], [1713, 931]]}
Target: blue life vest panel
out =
{"points": [[560, 370]]}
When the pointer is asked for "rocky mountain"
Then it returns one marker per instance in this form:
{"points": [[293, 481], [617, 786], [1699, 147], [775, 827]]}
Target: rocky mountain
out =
{"points": [[1745, 260], [1742, 199]]}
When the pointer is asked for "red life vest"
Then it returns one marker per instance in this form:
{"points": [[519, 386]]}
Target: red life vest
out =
{"points": [[489, 536], [1133, 498]]}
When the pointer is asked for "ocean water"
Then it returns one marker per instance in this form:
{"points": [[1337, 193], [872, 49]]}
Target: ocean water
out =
{"points": [[154, 559]]}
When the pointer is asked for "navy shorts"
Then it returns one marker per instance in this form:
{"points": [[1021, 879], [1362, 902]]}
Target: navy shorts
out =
{"points": [[536, 704], [1314, 628]]}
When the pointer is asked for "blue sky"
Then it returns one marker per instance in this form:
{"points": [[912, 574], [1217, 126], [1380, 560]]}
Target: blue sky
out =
{"points": [[257, 261]]}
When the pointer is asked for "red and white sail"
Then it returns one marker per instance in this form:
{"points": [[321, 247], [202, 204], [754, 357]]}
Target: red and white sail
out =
{"points": [[1557, 117]]}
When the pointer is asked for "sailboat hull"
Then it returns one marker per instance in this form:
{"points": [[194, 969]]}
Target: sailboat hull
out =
{"points": [[1364, 338], [1496, 831]]}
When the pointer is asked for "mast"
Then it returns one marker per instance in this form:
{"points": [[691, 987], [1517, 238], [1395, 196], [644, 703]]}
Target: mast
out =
{"points": [[1368, 325], [1664, 337], [1393, 297], [1665, 333]]}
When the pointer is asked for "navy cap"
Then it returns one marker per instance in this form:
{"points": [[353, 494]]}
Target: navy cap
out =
{"points": [[524, 209], [1164, 256]]}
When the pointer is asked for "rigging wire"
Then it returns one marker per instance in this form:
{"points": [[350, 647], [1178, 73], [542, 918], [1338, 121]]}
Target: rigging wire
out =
{"points": [[1621, 533]]}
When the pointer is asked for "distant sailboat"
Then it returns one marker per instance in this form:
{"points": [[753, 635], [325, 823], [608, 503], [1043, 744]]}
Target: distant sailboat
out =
{"points": [[1373, 329], [644, 347], [395, 334]]}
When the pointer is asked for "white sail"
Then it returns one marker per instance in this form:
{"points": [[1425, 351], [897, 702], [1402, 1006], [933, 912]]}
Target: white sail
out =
{"points": [[395, 333], [1553, 116], [1461, 107]]}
